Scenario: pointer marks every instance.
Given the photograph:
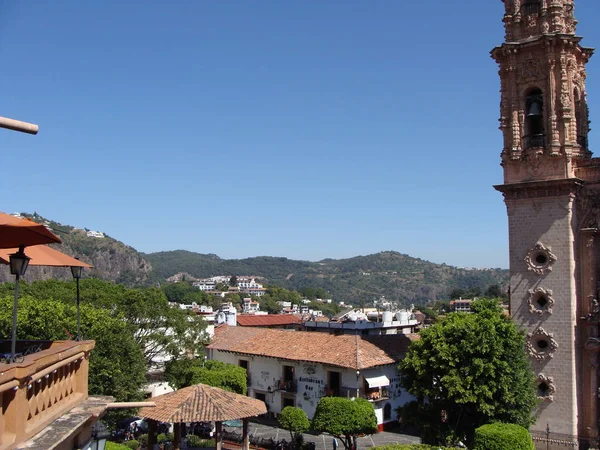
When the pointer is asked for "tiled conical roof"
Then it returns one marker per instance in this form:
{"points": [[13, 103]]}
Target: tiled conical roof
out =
{"points": [[202, 403]]}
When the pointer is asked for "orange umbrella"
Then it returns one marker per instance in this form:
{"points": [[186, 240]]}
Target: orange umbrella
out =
{"points": [[15, 232], [42, 255]]}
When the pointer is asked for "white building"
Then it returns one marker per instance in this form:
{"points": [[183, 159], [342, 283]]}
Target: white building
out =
{"points": [[295, 368], [249, 306], [205, 285], [356, 322]]}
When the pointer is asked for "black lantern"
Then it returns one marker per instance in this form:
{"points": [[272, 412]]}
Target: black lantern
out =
{"points": [[19, 262], [18, 266], [100, 435], [77, 271]]}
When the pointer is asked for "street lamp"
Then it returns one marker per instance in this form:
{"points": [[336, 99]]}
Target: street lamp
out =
{"points": [[76, 271], [357, 383], [18, 266], [100, 435]]}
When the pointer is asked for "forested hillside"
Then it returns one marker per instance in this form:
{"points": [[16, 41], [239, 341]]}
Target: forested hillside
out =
{"points": [[398, 277]]}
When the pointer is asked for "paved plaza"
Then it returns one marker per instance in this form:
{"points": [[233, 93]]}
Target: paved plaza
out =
{"points": [[269, 430]]}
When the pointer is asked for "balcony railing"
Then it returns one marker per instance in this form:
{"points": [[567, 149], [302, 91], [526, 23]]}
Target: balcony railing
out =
{"points": [[41, 387], [287, 386], [534, 141]]}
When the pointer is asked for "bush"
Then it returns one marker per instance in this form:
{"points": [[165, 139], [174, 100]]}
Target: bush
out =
{"points": [[143, 438], [115, 446], [170, 437], [161, 438], [132, 444], [502, 436], [412, 447], [194, 441]]}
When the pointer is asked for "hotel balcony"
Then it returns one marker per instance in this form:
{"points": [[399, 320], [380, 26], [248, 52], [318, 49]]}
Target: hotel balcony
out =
{"points": [[47, 390], [287, 386]]}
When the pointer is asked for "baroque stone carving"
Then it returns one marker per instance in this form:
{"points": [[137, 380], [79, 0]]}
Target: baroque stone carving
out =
{"points": [[541, 344], [546, 387], [540, 259], [540, 301]]}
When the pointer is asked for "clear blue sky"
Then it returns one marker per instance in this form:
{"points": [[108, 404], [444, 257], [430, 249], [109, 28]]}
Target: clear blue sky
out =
{"points": [[305, 129]]}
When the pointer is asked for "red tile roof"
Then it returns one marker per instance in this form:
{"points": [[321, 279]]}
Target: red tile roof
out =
{"points": [[268, 320], [350, 351], [202, 403]]}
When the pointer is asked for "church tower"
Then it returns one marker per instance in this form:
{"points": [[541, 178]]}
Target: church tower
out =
{"points": [[552, 194]]}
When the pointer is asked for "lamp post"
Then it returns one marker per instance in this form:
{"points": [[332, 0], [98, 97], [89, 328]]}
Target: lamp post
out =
{"points": [[18, 266], [76, 271], [357, 383], [100, 435]]}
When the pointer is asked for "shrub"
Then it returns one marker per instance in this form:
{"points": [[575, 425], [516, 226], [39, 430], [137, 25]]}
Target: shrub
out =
{"points": [[161, 438], [115, 446], [170, 437], [143, 438], [194, 441], [132, 444], [502, 436], [412, 447]]}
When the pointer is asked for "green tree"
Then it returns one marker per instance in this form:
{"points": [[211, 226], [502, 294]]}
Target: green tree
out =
{"points": [[117, 365], [187, 372], [294, 420], [269, 305], [233, 281], [468, 370], [345, 418]]}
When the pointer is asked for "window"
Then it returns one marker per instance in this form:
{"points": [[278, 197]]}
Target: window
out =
{"points": [[530, 7], [534, 119]]}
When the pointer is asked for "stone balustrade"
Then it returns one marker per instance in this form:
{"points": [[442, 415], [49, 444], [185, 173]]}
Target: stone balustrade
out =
{"points": [[41, 388]]}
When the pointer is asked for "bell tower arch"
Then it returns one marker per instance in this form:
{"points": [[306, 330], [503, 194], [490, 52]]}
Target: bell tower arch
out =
{"points": [[552, 193]]}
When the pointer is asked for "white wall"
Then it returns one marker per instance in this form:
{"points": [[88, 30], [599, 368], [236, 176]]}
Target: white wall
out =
{"points": [[311, 379]]}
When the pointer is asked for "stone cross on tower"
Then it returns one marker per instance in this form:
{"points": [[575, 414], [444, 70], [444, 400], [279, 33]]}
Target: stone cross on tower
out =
{"points": [[552, 194]]}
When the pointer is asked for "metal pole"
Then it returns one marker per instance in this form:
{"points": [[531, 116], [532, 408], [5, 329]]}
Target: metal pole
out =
{"points": [[17, 125], [13, 348], [547, 436], [78, 320]]}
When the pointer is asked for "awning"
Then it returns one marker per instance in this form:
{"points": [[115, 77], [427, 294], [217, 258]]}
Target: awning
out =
{"points": [[380, 381]]}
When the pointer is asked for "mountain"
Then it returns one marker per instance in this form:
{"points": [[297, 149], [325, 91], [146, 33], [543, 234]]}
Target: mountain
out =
{"points": [[112, 260], [398, 277]]}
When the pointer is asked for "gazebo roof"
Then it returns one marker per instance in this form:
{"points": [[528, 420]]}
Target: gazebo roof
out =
{"points": [[202, 403]]}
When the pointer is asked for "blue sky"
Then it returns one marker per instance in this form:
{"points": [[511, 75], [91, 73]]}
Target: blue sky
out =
{"points": [[305, 129]]}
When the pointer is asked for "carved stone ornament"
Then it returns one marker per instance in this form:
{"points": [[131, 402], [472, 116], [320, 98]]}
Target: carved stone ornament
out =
{"points": [[540, 301], [540, 344], [540, 259], [546, 387]]}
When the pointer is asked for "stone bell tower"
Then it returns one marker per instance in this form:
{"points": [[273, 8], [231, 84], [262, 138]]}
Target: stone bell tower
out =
{"points": [[552, 194]]}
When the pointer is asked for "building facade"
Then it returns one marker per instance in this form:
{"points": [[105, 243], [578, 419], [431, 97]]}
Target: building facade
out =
{"points": [[294, 368], [551, 190]]}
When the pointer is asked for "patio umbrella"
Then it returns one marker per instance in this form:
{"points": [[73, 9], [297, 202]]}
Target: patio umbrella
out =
{"points": [[42, 255], [15, 232]]}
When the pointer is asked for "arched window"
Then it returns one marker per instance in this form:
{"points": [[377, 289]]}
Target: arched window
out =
{"points": [[580, 119], [534, 119], [530, 7], [387, 412]]}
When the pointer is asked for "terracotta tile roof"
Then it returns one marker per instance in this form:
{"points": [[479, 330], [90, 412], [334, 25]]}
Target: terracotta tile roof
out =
{"points": [[202, 403], [268, 320], [350, 351]]}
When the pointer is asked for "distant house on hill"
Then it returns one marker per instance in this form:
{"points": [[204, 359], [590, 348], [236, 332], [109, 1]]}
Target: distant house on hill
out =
{"points": [[296, 368]]}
